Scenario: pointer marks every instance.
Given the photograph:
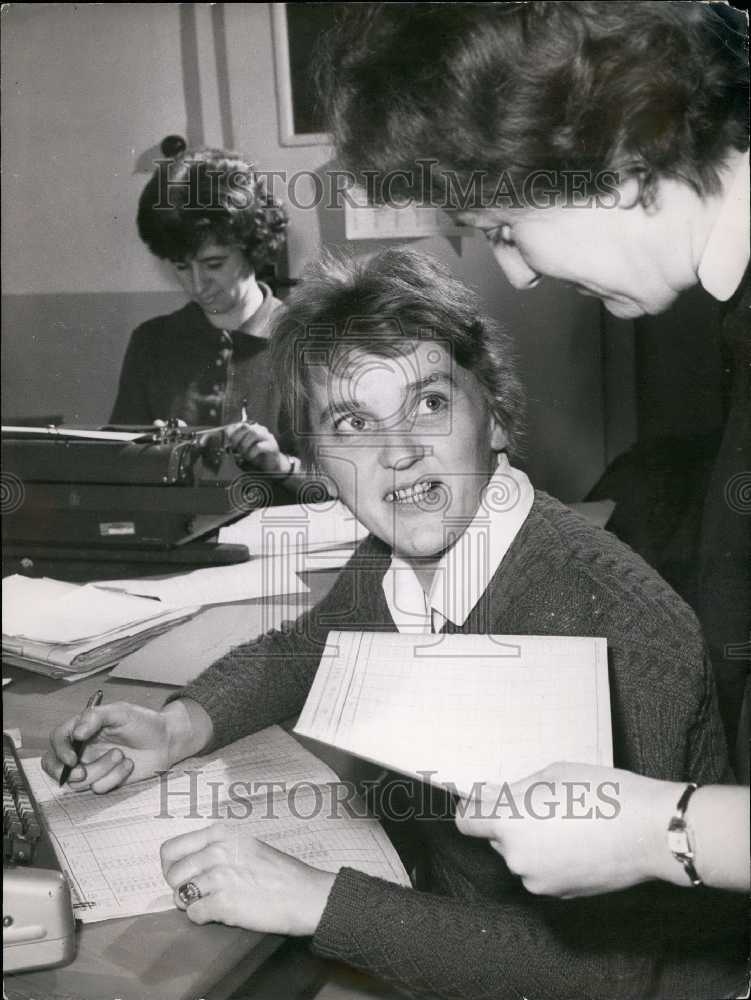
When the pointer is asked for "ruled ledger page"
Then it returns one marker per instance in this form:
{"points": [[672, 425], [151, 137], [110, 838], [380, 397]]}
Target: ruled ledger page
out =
{"points": [[267, 784], [459, 709]]}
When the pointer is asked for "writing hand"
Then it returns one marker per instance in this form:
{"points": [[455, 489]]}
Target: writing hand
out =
{"points": [[124, 743]]}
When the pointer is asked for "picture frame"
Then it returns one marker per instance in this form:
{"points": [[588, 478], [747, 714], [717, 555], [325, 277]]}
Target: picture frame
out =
{"points": [[296, 27]]}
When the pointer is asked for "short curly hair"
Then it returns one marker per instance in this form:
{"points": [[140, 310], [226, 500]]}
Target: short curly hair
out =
{"points": [[344, 306], [210, 194], [645, 89]]}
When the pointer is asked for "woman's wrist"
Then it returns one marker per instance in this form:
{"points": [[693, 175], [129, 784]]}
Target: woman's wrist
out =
{"points": [[311, 903], [289, 465], [662, 862], [189, 729], [658, 860]]}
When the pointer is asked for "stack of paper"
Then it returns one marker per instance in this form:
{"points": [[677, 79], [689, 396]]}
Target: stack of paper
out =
{"points": [[68, 631]]}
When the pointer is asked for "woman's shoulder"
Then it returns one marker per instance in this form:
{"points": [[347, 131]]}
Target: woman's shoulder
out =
{"points": [[189, 317]]}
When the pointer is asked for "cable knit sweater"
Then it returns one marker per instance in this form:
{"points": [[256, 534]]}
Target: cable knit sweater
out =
{"points": [[478, 933]]}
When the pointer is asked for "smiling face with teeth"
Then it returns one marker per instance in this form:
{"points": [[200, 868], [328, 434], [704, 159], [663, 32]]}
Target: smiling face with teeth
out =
{"points": [[410, 440]]}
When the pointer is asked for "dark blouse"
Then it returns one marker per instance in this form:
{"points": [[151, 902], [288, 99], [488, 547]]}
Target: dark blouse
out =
{"points": [[179, 365]]}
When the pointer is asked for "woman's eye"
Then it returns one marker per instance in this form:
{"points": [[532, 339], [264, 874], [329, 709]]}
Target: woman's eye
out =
{"points": [[500, 236], [433, 403], [350, 423]]}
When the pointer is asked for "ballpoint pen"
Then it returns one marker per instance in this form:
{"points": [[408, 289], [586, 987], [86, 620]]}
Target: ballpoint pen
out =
{"points": [[79, 745], [244, 411]]}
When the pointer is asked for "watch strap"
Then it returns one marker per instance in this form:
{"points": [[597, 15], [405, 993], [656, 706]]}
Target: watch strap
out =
{"points": [[679, 841]]}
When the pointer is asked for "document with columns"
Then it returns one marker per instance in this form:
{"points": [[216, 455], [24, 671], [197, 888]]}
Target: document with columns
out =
{"points": [[460, 709]]}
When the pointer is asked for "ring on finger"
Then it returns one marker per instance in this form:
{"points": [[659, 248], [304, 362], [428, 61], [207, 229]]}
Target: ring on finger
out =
{"points": [[188, 893]]}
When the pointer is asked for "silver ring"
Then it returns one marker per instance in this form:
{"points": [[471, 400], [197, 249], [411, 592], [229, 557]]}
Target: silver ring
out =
{"points": [[189, 893]]}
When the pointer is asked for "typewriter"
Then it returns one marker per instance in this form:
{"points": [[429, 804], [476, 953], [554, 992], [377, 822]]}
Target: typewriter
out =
{"points": [[97, 493], [39, 928]]}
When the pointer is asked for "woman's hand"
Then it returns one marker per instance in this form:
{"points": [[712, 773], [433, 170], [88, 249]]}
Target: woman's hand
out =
{"points": [[578, 829], [245, 883], [125, 743], [253, 444]]}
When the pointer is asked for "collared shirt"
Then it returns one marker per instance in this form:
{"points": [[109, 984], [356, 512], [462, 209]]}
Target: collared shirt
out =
{"points": [[726, 254], [180, 365], [465, 569]]}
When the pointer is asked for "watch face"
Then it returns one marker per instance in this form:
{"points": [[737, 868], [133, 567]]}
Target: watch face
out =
{"points": [[678, 842]]}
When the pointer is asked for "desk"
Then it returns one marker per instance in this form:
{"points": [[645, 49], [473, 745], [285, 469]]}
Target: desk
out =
{"points": [[159, 956]]}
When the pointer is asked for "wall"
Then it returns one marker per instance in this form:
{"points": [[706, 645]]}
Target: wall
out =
{"points": [[88, 93], [86, 89]]}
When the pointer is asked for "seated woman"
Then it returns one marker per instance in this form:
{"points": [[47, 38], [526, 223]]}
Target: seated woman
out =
{"points": [[209, 214], [408, 400]]}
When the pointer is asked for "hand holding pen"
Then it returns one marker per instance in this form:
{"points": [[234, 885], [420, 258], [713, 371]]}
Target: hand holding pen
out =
{"points": [[80, 745], [254, 445], [108, 745]]}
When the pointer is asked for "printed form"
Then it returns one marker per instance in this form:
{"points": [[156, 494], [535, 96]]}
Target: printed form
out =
{"points": [[267, 785], [457, 709]]}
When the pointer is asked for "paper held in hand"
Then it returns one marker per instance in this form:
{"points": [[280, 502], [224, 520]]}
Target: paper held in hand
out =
{"points": [[459, 709]]}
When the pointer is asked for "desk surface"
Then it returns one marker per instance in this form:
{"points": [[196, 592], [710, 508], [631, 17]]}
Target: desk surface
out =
{"points": [[154, 957]]}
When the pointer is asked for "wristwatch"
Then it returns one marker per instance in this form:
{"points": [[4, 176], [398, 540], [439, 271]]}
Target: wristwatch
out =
{"points": [[294, 466], [678, 838]]}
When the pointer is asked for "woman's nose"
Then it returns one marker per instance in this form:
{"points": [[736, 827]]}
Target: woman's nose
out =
{"points": [[399, 454], [520, 275], [200, 279]]}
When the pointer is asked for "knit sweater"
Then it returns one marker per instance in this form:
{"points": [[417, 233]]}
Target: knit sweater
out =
{"points": [[478, 933]]}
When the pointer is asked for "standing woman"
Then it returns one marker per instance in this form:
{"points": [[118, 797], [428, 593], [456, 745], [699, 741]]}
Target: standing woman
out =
{"points": [[210, 215]]}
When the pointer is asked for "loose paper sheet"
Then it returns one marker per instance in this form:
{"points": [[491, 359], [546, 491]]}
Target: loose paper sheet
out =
{"points": [[270, 531], [458, 709], [180, 655], [220, 584], [109, 844]]}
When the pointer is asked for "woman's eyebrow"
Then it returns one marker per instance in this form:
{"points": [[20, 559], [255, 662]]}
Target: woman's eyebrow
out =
{"points": [[211, 257], [434, 378], [335, 409]]}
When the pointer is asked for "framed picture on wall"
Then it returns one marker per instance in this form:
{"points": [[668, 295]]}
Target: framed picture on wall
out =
{"points": [[297, 30]]}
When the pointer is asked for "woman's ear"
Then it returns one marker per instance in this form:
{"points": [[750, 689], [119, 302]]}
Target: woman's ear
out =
{"points": [[630, 190], [498, 436]]}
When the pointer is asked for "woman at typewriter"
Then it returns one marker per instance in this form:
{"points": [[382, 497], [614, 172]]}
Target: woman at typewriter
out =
{"points": [[209, 214]]}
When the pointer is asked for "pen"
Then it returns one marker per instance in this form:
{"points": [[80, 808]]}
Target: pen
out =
{"points": [[244, 411], [78, 745]]}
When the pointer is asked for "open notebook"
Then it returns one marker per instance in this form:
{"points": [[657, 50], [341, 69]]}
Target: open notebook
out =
{"points": [[461, 709], [267, 785]]}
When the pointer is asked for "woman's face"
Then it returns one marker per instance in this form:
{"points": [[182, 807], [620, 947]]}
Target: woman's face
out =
{"points": [[631, 258], [218, 278]]}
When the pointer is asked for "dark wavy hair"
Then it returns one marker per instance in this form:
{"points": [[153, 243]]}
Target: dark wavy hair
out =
{"points": [[210, 194], [645, 89], [343, 306]]}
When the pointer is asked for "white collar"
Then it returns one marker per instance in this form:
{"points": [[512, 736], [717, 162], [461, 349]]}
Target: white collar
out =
{"points": [[256, 323], [725, 256], [466, 569]]}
